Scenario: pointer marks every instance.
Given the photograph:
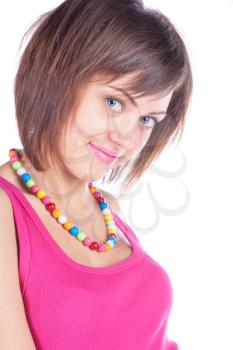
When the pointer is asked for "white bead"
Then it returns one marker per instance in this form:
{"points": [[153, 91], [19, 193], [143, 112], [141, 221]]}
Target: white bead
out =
{"points": [[111, 226], [111, 243], [20, 171], [62, 219], [106, 211]]}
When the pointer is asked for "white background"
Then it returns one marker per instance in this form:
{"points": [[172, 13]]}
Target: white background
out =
{"points": [[189, 199]]}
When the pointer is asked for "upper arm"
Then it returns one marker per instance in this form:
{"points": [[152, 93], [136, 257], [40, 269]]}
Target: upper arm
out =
{"points": [[14, 329]]}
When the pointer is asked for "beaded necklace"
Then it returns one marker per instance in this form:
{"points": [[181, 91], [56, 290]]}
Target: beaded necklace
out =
{"points": [[68, 225]]}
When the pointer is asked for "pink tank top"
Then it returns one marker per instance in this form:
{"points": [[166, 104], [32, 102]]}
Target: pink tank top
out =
{"points": [[72, 306]]}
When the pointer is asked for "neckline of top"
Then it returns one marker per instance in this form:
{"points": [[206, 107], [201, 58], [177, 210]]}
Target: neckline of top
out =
{"points": [[137, 250]]}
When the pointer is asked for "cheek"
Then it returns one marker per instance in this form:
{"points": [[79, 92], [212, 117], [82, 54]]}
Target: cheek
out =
{"points": [[90, 122], [139, 141]]}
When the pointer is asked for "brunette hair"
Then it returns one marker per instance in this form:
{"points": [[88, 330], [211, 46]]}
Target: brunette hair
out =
{"points": [[81, 38]]}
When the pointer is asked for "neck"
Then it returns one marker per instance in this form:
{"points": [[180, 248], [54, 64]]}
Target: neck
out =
{"points": [[65, 190]]}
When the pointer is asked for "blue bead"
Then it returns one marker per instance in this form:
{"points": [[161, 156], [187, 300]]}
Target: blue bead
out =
{"points": [[103, 205], [112, 238], [74, 230], [25, 177]]}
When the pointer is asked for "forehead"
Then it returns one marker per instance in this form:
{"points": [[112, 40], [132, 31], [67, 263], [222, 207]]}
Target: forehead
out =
{"points": [[125, 82]]}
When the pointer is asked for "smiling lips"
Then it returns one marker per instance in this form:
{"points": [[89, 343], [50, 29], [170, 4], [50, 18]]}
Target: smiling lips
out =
{"points": [[102, 154], [105, 150]]}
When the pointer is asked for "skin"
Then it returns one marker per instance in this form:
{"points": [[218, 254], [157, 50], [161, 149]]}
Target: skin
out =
{"points": [[103, 122]]}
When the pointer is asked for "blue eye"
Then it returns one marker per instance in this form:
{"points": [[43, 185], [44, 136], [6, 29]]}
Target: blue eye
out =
{"points": [[153, 120], [111, 99], [112, 105]]}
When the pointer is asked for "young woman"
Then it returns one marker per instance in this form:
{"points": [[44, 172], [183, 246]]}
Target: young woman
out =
{"points": [[101, 86]]}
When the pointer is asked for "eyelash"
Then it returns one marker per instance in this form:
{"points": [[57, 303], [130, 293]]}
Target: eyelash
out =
{"points": [[123, 104]]}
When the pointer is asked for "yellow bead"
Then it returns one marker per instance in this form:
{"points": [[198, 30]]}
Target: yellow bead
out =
{"points": [[93, 189], [112, 230], [108, 217], [56, 213], [40, 194], [107, 247], [68, 225]]}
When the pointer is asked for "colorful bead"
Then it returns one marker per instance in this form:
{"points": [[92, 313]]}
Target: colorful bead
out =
{"points": [[30, 183], [46, 199], [62, 219], [112, 239], [56, 213], [68, 224], [106, 211], [101, 248], [50, 206], [94, 246], [14, 158], [40, 194], [25, 177], [103, 205], [12, 152], [81, 236], [100, 200], [87, 241], [107, 217], [74, 230], [93, 189], [111, 235], [35, 189], [97, 194], [110, 227], [16, 165], [20, 171], [109, 223], [107, 247], [111, 243]]}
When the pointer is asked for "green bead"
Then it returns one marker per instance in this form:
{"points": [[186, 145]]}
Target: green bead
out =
{"points": [[81, 236], [30, 183], [16, 165], [109, 222]]}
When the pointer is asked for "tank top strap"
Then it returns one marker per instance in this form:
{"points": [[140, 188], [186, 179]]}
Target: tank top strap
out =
{"points": [[22, 234]]}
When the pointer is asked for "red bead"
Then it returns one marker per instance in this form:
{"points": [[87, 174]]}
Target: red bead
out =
{"points": [[100, 200], [50, 206], [94, 246], [97, 194]]}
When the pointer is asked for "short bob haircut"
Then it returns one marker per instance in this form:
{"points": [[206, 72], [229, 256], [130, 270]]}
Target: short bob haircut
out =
{"points": [[79, 39]]}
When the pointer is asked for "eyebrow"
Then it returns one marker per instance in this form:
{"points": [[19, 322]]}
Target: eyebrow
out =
{"points": [[130, 98]]}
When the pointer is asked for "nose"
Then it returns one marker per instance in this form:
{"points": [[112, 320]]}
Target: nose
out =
{"points": [[122, 131]]}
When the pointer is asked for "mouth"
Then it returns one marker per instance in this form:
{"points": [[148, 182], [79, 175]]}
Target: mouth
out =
{"points": [[101, 155]]}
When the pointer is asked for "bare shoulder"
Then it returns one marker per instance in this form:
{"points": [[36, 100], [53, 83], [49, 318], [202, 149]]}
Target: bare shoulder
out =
{"points": [[4, 169], [5, 203], [7, 173], [11, 302]]}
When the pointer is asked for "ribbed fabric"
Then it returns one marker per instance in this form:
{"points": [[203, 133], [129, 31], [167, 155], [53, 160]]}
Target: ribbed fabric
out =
{"points": [[70, 306]]}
